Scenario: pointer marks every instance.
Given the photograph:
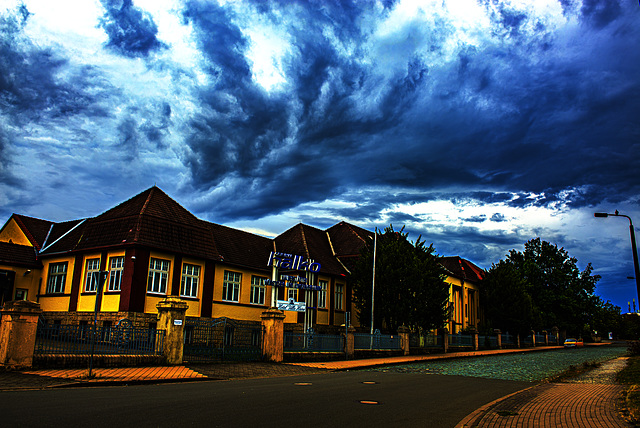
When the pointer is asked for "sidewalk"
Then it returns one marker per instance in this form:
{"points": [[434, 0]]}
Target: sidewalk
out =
{"points": [[589, 401]]}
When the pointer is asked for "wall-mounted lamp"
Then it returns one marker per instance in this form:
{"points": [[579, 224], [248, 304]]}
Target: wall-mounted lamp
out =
{"points": [[26, 272], [133, 257]]}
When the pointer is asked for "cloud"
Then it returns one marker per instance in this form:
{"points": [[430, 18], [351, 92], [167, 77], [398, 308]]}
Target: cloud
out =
{"points": [[132, 32]]}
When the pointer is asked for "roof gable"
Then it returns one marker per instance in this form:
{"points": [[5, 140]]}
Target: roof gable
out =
{"points": [[462, 268], [312, 243], [151, 219], [34, 231]]}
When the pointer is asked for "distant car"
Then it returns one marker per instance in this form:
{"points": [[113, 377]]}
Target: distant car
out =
{"points": [[573, 343]]}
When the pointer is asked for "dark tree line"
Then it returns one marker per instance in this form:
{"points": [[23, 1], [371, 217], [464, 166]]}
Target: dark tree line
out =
{"points": [[541, 288]]}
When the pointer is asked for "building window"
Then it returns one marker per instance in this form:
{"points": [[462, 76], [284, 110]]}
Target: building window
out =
{"points": [[92, 275], [57, 277], [116, 267], [158, 274], [322, 294], [21, 293], [231, 286], [190, 280], [257, 290], [292, 294], [339, 296]]}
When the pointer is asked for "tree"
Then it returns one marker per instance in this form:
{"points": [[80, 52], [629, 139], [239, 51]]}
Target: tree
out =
{"points": [[409, 289], [561, 294], [508, 305]]}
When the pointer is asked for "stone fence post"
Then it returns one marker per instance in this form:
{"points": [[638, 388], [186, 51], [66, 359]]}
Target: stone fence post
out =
{"points": [[18, 333], [498, 334], [445, 339], [546, 337], [555, 333], [171, 316], [273, 335], [404, 333], [350, 343], [533, 338], [475, 339]]}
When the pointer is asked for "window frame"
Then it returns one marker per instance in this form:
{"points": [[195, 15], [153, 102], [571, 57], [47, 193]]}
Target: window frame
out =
{"points": [[158, 286], [258, 289], [56, 279], [91, 275], [322, 293], [193, 279], [115, 273], [339, 296], [231, 286]]}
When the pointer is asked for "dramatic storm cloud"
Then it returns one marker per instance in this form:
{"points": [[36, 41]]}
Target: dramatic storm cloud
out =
{"points": [[479, 124]]}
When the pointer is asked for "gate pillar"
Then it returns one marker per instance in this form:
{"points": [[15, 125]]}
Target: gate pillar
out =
{"points": [[171, 315], [273, 335], [18, 333], [404, 333]]}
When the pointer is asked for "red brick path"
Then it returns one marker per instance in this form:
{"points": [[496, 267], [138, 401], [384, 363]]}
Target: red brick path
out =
{"points": [[552, 405]]}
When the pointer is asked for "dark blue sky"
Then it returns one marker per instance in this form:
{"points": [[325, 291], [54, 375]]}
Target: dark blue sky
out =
{"points": [[478, 124]]}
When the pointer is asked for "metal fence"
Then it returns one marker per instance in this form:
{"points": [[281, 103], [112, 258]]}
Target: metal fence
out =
{"points": [[377, 341], [83, 339], [488, 341], [312, 342], [509, 341], [221, 339], [428, 340], [540, 340], [460, 340]]}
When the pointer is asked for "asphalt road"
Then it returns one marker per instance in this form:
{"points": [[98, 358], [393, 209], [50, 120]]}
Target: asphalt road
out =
{"points": [[322, 400]]}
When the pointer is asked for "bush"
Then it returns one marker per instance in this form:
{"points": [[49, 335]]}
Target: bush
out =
{"points": [[634, 347]]}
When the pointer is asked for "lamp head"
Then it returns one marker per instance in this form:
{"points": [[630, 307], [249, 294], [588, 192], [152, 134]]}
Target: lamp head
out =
{"points": [[604, 215]]}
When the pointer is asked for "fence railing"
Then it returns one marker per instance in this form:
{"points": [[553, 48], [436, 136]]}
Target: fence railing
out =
{"points": [[377, 341], [429, 340], [460, 340], [80, 339], [312, 342], [540, 339], [488, 341]]}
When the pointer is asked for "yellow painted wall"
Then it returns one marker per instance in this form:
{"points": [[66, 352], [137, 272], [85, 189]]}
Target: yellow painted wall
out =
{"points": [[12, 232], [56, 302], [26, 279]]}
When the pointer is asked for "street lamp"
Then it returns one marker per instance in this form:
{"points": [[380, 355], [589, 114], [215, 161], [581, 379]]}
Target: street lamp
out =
{"points": [[634, 249]]}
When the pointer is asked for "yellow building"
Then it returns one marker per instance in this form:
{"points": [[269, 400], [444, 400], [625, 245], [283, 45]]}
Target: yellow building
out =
{"points": [[464, 294], [151, 247]]}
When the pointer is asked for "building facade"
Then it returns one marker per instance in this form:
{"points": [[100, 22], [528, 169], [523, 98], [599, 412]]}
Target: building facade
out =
{"points": [[152, 247]]}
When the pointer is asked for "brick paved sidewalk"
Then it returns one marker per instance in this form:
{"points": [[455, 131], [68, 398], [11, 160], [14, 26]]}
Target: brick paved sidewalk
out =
{"points": [[589, 402]]}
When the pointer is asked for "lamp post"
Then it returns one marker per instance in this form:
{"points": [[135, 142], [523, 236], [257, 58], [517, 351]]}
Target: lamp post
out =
{"points": [[634, 249]]}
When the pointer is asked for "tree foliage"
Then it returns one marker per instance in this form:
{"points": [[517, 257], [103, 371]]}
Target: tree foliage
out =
{"points": [[508, 305], [409, 288], [544, 284]]}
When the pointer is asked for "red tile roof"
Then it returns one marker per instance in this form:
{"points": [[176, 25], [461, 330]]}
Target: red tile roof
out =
{"points": [[311, 243], [150, 219], [462, 268], [241, 248], [18, 255]]}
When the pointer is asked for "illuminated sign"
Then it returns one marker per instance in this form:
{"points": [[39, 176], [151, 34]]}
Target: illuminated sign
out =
{"points": [[290, 305], [290, 281], [290, 261]]}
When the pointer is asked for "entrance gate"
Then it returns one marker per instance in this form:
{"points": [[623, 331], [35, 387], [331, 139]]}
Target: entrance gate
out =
{"points": [[221, 339]]}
